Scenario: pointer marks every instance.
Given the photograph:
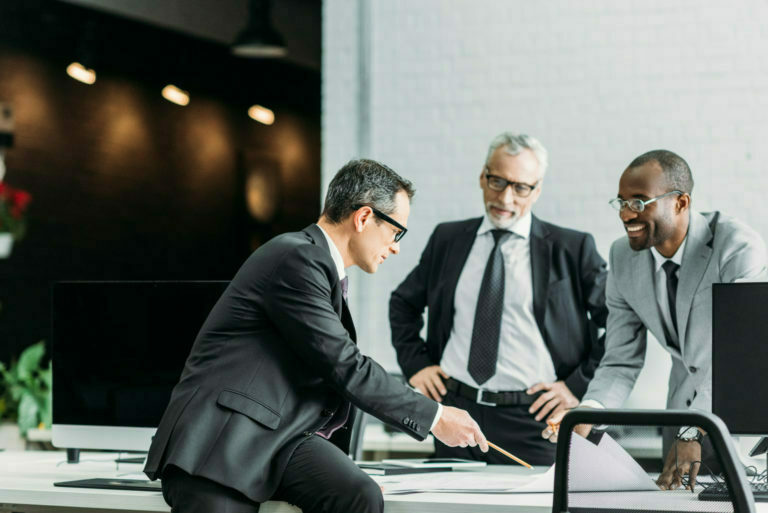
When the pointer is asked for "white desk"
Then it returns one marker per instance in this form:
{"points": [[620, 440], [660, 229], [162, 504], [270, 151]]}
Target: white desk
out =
{"points": [[26, 485]]}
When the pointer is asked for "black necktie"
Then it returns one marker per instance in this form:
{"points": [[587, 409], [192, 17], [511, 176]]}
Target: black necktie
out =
{"points": [[484, 350], [345, 287], [670, 268]]}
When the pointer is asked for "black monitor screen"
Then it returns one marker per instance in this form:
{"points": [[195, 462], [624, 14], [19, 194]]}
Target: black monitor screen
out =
{"points": [[118, 348], [740, 356]]}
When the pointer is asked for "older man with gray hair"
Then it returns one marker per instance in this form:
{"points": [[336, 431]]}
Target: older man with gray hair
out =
{"points": [[514, 306]]}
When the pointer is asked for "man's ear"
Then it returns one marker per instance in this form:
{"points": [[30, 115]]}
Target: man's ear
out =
{"points": [[360, 217], [683, 202]]}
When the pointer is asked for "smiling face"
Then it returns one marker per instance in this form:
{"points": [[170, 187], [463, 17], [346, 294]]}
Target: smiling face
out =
{"points": [[661, 223], [374, 240], [505, 208]]}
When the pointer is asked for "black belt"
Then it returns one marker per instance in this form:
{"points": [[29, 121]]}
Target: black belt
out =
{"points": [[487, 398]]}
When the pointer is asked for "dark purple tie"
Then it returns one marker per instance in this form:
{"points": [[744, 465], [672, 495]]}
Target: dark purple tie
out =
{"points": [[345, 287]]}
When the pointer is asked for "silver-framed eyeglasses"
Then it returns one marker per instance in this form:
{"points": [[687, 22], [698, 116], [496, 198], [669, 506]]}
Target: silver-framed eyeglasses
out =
{"points": [[498, 184], [637, 204]]}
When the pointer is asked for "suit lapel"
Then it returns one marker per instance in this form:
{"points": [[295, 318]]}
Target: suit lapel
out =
{"points": [[346, 320], [541, 251], [457, 257], [643, 281], [698, 251], [319, 239]]}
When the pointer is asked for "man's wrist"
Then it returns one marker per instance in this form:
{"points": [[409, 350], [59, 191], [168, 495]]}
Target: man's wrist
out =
{"points": [[690, 434], [437, 416]]}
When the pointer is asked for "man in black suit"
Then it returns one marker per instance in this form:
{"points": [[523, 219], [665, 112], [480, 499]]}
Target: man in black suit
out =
{"points": [[275, 367], [514, 304]]}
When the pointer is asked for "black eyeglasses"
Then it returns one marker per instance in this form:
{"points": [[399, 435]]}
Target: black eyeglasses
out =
{"points": [[498, 184], [384, 217]]}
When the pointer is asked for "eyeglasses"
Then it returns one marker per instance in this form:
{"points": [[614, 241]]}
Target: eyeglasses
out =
{"points": [[498, 184], [636, 204], [384, 217]]}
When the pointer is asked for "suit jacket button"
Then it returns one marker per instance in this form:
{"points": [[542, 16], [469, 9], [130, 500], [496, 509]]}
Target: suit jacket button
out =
{"points": [[692, 369], [406, 420], [326, 412], [688, 402], [307, 433]]}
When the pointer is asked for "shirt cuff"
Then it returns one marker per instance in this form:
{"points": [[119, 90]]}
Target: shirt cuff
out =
{"points": [[437, 416], [591, 403]]}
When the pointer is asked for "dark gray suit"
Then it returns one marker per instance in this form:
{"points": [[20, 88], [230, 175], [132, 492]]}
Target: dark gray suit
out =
{"points": [[272, 363], [568, 304]]}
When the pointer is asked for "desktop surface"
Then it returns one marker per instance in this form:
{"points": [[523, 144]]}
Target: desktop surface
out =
{"points": [[26, 485]]}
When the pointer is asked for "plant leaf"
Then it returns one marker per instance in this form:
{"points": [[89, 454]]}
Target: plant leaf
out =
{"points": [[28, 413], [29, 361]]}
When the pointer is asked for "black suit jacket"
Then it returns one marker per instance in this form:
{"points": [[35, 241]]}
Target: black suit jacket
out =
{"points": [[568, 282], [272, 363]]}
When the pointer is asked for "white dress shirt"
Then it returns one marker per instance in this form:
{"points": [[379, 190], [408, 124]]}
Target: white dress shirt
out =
{"points": [[339, 261], [661, 286], [523, 357]]}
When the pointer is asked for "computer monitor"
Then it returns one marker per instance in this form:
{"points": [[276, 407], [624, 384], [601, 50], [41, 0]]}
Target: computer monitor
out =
{"points": [[118, 348], [739, 356]]}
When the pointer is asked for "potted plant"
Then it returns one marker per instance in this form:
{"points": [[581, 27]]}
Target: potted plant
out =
{"points": [[25, 390], [13, 207]]}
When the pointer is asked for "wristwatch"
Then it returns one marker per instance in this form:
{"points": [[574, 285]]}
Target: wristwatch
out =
{"points": [[690, 434]]}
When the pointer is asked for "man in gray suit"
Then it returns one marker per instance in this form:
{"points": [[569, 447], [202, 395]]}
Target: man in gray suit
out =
{"points": [[660, 280]]}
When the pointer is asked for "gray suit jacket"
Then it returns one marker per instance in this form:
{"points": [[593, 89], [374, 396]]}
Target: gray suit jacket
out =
{"points": [[719, 249]]}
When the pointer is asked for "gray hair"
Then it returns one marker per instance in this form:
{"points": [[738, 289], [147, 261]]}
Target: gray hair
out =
{"points": [[363, 182], [514, 144]]}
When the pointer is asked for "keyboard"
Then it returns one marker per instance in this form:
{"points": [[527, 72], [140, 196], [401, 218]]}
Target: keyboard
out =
{"points": [[719, 492]]}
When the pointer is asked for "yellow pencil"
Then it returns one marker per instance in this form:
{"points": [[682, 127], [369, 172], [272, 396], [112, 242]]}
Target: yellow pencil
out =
{"points": [[508, 455]]}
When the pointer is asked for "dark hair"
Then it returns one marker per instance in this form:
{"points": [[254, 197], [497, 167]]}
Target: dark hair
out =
{"points": [[675, 168], [363, 182]]}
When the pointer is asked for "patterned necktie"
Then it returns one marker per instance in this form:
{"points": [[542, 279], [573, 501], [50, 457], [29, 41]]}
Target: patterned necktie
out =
{"points": [[483, 353], [670, 268], [345, 287]]}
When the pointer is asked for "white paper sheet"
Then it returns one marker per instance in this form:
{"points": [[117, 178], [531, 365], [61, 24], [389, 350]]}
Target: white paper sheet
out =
{"points": [[592, 468]]}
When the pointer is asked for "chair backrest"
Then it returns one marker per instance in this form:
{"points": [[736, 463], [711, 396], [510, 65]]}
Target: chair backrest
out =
{"points": [[356, 437], [571, 474]]}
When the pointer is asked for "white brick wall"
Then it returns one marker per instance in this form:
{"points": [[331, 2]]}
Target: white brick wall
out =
{"points": [[423, 85]]}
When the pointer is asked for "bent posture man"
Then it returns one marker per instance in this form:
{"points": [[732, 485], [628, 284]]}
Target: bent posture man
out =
{"points": [[660, 280], [275, 367], [510, 299]]}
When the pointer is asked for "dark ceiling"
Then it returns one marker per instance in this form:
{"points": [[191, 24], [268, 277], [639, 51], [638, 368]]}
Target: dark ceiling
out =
{"points": [[119, 46]]}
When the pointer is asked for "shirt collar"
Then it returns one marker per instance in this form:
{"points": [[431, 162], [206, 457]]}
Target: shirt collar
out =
{"points": [[521, 228], [677, 258], [335, 254]]}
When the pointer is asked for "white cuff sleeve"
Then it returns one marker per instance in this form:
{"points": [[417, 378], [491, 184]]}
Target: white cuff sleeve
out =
{"points": [[437, 416], [591, 403]]}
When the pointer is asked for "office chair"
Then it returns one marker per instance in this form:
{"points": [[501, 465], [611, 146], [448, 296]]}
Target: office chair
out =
{"points": [[740, 496], [359, 421]]}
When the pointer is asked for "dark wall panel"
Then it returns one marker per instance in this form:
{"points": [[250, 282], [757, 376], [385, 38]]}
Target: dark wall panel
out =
{"points": [[128, 186]]}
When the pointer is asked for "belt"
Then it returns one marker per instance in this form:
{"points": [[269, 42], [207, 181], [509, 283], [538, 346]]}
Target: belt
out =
{"points": [[488, 398]]}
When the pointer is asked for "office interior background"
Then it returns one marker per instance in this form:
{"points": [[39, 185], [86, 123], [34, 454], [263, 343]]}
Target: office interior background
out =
{"points": [[128, 186]]}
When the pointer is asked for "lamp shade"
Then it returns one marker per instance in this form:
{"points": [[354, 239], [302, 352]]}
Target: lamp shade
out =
{"points": [[259, 38]]}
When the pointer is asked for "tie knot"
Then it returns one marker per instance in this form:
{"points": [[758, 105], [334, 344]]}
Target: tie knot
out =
{"points": [[500, 235], [670, 268]]}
